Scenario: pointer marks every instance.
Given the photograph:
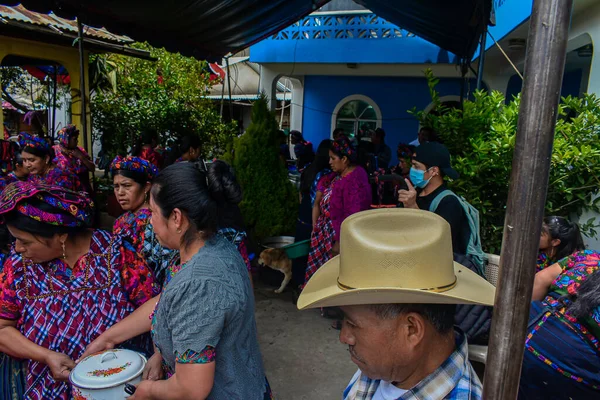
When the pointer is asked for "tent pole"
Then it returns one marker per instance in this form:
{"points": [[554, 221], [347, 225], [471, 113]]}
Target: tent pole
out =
{"points": [[223, 96], [82, 85], [54, 105], [481, 58], [229, 88], [463, 82], [544, 68]]}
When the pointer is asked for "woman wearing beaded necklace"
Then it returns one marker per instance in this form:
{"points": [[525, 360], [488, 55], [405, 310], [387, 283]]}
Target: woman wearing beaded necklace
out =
{"points": [[63, 285]]}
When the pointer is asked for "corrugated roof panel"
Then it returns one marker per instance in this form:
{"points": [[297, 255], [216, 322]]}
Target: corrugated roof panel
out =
{"points": [[21, 14]]}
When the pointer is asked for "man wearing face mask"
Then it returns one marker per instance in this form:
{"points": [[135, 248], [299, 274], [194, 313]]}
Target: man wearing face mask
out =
{"points": [[430, 164]]}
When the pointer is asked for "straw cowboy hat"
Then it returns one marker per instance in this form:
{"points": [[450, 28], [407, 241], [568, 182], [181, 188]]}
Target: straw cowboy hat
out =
{"points": [[395, 256]]}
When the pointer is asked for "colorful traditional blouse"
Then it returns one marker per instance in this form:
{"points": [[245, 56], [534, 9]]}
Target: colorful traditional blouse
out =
{"points": [[8, 179], [64, 309], [575, 269], [137, 229], [68, 162], [56, 176], [542, 261], [313, 187], [350, 195], [153, 156]]}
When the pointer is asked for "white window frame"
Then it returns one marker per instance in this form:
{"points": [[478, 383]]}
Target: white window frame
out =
{"points": [[348, 99]]}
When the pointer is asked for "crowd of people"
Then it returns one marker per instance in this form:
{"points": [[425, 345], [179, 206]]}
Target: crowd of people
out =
{"points": [[172, 280], [562, 349]]}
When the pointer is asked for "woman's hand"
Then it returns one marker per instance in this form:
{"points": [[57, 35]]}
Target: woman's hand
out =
{"points": [[142, 391], [60, 365], [153, 370], [102, 343]]}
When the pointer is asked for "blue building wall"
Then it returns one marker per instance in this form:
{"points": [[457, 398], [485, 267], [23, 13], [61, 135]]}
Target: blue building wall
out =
{"points": [[393, 95], [570, 87], [353, 38]]}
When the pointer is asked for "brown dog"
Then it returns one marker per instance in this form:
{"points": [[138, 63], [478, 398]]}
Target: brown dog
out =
{"points": [[277, 259]]}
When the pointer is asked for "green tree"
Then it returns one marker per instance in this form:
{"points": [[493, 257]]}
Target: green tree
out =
{"points": [[167, 95], [481, 139], [270, 202]]}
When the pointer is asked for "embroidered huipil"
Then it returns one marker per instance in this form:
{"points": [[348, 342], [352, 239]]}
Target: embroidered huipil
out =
{"points": [[153, 156], [68, 162], [8, 179], [137, 229], [455, 379], [350, 195], [576, 268], [57, 177], [313, 187], [65, 309]]}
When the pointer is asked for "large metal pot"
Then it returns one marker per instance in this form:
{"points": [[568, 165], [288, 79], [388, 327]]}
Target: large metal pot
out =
{"points": [[277, 242], [103, 376]]}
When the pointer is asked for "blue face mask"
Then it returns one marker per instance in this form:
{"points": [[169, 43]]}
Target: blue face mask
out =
{"points": [[417, 177]]}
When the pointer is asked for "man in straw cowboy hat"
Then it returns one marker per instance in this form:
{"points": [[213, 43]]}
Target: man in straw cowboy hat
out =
{"points": [[397, 285]]}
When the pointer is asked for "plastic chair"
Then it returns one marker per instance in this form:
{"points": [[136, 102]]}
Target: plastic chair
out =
{"points": [[478, 353]]}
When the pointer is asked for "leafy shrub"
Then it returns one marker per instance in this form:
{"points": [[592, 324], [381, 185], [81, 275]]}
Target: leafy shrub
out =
{"points": [[270, 202], [167, 95], [481, 139]]}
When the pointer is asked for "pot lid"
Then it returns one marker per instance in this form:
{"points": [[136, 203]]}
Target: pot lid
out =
{"points": [[107, 369]]}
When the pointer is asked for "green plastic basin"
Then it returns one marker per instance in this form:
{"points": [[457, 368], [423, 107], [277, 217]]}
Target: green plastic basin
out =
{"points": [[298, 249]]}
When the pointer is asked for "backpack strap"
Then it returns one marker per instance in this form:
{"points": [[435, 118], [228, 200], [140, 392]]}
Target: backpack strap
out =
{"points": [[474, 250], [438, 199]]}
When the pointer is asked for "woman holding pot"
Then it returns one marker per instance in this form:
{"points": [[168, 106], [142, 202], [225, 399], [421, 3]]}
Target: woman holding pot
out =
{"points": [[132, 179], [206, 309], [64, 284]]}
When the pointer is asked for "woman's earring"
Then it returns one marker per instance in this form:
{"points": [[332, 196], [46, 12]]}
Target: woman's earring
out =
{"points": [[178, 230], [146, 197], [64, 251]]}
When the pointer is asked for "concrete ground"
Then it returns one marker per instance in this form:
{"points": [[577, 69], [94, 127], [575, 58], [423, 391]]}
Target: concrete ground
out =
{"points": [[303, 357]]}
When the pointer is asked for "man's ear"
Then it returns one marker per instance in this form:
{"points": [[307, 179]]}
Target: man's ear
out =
{"points": [[415, 328]]}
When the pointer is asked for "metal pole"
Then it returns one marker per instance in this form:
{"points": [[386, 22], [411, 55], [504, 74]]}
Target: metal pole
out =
{"points": [[229, 87], [222, 97], [463, 82], [544, 68], [54, 105], [82, 85], [481, 58]]}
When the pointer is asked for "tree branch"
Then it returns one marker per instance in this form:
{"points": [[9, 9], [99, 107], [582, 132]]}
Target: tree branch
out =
{"points": [[7, 97]]}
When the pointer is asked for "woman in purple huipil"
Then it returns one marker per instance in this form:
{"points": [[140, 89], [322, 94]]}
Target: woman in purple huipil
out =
{"points": [[342, 193]]}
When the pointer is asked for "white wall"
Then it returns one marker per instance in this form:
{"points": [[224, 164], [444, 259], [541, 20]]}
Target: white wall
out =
{"points": [[583, 24]]}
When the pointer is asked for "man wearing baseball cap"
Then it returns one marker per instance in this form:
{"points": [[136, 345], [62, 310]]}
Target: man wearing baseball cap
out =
{"points": [[430, 164]]}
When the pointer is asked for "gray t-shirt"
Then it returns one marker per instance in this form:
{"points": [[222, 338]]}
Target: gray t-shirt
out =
{"points": [[209, 302]]}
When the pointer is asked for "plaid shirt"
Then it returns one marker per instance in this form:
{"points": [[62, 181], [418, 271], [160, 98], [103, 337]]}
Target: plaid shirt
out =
{"points": [[453, 380]]}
